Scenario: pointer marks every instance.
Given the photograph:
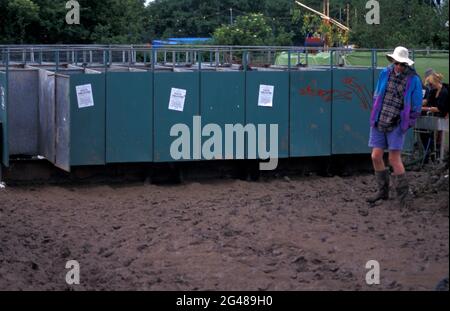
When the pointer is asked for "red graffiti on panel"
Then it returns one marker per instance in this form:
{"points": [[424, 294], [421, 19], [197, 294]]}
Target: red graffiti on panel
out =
{"points": [[361, 91], [352, 87]]}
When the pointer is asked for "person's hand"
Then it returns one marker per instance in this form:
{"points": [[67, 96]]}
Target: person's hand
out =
{"points": [[430, 109]]}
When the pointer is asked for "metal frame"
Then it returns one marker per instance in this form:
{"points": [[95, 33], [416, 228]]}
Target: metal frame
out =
{"points": [[148, 57]]}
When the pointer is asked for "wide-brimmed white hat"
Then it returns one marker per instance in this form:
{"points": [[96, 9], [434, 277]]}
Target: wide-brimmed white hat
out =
{"points": [[400, 55]]}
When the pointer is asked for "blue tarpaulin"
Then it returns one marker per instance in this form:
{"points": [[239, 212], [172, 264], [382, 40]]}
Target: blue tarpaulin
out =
{"points": [[180, 41]]}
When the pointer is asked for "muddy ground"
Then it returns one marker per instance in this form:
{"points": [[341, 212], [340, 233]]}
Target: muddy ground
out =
{"points": [[287, 233]]}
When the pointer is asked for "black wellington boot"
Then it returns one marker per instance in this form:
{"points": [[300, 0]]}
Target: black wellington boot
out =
{"points": [[402, 187], [382, 179]]}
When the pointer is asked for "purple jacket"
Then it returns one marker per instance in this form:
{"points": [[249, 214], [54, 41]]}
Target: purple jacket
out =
{"points": [[412, 99]]}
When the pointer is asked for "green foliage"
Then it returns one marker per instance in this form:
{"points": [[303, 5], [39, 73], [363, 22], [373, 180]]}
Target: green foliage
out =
{"points": [[20, 14], [252, 29], [44, 21], [201, 18], [440, 37], [415, 23], [119, 21], [311, 24]]}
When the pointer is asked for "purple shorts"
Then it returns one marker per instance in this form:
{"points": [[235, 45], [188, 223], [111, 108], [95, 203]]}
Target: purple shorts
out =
{"points": [[393, 140]]}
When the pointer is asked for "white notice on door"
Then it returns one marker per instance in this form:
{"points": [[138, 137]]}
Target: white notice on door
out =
{"points": [[84, 96], [265, 95], [177, 99]]}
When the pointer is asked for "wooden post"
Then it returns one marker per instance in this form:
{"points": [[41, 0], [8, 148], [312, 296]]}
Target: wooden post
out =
{"points": [[348, 15]]}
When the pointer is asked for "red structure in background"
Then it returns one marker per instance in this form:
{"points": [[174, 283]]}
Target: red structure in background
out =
{"points": [[314, 42]]}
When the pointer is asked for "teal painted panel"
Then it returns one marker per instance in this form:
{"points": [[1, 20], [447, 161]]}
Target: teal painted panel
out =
{"points": [[165, 118], [87, 125], [4, 120], [277, 114], [129, 117], [223, 102], [310, 124], [352, 103]]}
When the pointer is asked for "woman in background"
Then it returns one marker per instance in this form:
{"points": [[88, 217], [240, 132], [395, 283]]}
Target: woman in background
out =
{"points": [[437, 100], [435, 104]]}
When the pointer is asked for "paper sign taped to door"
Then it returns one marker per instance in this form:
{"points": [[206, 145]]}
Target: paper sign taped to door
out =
{"points": [[177, 99], [84, 96], [265, 95]]}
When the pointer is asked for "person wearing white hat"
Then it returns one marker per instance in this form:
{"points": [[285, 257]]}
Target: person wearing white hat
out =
{"points": [[397, 104]]}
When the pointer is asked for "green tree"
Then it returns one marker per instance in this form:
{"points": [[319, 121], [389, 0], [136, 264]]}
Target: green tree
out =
{"points": [[252, 29], [311, 24], [20, 14], [119, 21], [440, 39], [417, 23], [43, 21], [200, 18], [52, 26]]}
